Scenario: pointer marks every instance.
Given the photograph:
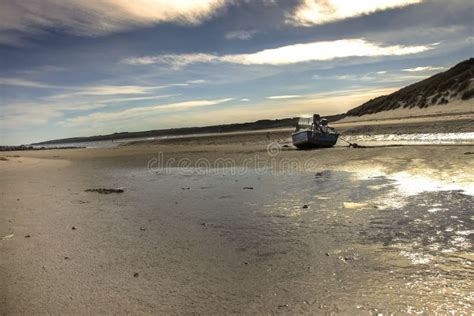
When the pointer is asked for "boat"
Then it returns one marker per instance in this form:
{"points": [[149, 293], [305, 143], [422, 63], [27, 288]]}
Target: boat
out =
{"points": [[314, 133]]}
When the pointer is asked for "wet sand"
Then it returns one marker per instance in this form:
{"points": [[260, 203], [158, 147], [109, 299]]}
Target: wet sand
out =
{"points": [[242, 224]]}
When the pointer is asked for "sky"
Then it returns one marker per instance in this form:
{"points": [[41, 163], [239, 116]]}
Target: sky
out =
{"points": [[89, 67]]}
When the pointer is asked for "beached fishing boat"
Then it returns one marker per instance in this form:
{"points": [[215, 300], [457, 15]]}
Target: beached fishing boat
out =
{"points": [[314, 133]]}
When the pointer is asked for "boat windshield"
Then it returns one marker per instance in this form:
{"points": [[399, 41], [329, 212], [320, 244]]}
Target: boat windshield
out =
{"points": [[304, 123]]}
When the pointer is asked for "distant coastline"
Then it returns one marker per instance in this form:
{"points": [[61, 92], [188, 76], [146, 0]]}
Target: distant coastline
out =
{"points": [[225, 128]]}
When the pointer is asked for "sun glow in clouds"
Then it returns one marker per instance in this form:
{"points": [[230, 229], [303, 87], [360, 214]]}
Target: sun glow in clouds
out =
{"points": [[289, 54], [312, 12], [99, 17]]}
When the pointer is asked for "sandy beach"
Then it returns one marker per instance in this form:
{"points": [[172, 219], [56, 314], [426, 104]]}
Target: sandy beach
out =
{"points": [[237, 224]]}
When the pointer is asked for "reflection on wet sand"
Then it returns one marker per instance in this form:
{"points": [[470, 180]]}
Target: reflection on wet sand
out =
{"points": [[336, 241], [414, 139]]}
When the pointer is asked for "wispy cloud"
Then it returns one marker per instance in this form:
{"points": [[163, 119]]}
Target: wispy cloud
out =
{"points": [[107, 90], [240, 35], [326, 103], [24, 83], [94, 18], [41, 110], [101, 90], [426, 68], [196, 81], [154, 97], [292, 96], [297, 53], [41, 70], [376, 77], [19, 114], [174, 60], [311, 12], [139, 112], [102, 103]]}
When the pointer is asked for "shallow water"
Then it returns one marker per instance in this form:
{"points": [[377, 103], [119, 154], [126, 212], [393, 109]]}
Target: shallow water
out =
{"points": [[327, 242], [414, 139]]}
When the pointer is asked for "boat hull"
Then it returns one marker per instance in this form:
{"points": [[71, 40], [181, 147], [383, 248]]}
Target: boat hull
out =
{"points": [[309, 139]]}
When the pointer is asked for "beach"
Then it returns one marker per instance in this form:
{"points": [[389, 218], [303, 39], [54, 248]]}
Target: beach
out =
{"points": [[212, 157], [240, 223]]}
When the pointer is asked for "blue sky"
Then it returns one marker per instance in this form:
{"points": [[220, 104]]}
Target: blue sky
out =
{"points": [[79, 67]]}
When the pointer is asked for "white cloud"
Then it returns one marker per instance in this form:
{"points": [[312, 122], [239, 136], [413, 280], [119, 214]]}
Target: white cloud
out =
{"points": [[196, 81], [135, 112], [112, 90], [154, 97], [323, 51], [24, 83], [99, 17], [96, 104], [297, 53], [240, 35], [371, 76], [354, 92], [376, 77], [292, 96], [393, 78], [93, 90], [244, 100], [427, 68], [173, 60], [350, 77], [98, 91], [311, 12], [106, 90]]}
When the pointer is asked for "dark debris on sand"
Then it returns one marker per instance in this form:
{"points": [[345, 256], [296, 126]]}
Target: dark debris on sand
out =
{"points": [[105, 191], [355, 145]]}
